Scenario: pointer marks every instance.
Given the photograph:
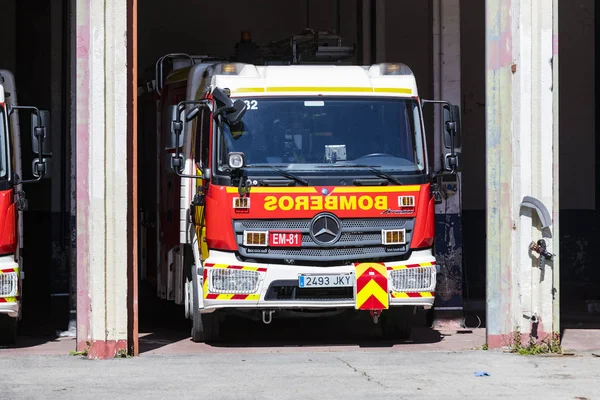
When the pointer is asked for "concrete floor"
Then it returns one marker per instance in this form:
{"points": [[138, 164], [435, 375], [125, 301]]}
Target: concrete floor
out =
{"points": [[348, 374], [334, 358]]}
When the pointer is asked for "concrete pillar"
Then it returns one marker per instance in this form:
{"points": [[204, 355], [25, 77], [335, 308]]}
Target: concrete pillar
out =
{"points": [[447, 86], [102, 175], [371, 35], [522, 160], [379, 31]]}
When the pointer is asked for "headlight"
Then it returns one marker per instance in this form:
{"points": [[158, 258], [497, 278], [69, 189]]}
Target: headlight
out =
{"points": [[413, 279], [236, 160], [235, 281], [8, 284]]}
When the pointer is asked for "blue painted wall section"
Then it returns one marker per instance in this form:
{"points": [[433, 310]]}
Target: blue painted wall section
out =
{"points": [[448, 252]]}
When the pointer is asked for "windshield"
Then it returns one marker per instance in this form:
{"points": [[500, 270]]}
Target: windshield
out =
{"points": [[3, 141], [320, 133]]}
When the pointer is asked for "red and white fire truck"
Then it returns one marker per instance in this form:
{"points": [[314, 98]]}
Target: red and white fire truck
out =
{"points": [[12, 198], [294, 189]]}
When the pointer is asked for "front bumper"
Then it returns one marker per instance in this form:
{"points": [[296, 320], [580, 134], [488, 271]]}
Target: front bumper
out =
{"points": [[12, 308], [9, 274], [275, 279]]}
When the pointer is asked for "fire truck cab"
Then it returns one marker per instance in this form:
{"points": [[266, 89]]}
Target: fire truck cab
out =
{"points": [[12, 198], [302, 189]]}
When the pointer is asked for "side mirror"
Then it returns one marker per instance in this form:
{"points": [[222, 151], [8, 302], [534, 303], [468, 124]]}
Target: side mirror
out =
{"points": [[41, 143], [223, 100], [234, 117], [175, 137], [41, 169], [234, 111], [40, 133], [176, 127], [177, 124], [452, 126]]}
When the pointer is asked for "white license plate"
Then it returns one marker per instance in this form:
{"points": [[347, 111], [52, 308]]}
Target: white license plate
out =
{"points": [[337, 280]]}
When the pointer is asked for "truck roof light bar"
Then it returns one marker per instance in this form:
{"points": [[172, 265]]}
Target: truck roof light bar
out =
{"points": [[233, 68], [387, 69]]}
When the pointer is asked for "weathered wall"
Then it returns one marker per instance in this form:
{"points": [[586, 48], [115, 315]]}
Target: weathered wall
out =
{"points": [[102, 178], [522, 160]]}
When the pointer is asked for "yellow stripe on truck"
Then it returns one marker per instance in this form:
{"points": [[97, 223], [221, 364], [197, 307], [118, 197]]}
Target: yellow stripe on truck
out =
{"points": [[258, 189], [321, 89]]}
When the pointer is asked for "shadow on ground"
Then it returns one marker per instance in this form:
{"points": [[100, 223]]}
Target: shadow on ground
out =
{"points": [[162, 323]]}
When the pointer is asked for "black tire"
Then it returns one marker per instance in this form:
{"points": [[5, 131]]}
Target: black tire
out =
{"points": [[205, 327], [8, 330], [397, 323]]}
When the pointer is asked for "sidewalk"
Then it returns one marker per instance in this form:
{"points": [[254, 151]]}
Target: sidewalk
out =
{"points": [[355, 374]]}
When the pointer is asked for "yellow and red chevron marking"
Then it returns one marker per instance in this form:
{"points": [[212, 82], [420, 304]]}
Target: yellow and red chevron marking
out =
{"points": [[9, 270], [397, 267], [229, 296], [371, 286], [9, 299], [240, 267], [403, 295]]}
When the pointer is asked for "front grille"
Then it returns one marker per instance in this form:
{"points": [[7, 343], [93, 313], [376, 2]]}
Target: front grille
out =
{"points": [[360, 240], [301, 224], [324, 252], [289, 290], [351, 238]]}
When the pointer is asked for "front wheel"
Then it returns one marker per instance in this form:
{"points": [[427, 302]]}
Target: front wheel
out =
{"points": [[397, 322], [205, 327], [8, 330]]}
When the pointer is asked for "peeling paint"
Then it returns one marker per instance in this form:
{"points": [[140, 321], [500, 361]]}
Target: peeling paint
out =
{"points": [[82, 145], [519, 149]]}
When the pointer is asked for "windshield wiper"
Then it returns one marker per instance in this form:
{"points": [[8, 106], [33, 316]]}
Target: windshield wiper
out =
{"points": [[282, 173], [370, 168], [383, 175]]}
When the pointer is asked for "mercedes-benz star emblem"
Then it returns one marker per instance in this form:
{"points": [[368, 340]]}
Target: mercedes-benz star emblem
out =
{"points": [[325, 229]]}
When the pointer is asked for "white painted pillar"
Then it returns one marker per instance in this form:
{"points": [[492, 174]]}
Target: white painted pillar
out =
{"points": [[365, 36], [102, 175], [522, 160], [379, 31], [373, 40], [446, 69]]}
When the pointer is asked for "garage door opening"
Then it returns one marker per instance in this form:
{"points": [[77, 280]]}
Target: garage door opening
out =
{"points": [[233, 36], [35, 57], [580, 278]]}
